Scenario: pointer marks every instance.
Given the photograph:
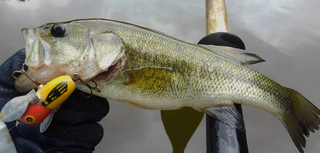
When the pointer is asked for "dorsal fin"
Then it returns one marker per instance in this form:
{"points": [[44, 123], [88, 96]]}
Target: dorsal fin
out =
{"points": [[240, 55]]}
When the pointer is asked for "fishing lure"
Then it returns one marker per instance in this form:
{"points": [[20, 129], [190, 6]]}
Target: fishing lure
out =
{"points": [[39, 107], [51, 95]]}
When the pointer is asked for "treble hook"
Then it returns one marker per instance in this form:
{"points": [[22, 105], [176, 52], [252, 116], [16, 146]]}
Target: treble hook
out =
{"points": [[86, 84], [23, 71]]}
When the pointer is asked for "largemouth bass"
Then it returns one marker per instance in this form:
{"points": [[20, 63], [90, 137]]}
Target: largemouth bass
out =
{"points": [[150, 70]]}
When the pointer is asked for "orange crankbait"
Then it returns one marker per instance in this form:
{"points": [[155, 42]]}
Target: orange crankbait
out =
{"points": [[36, 107], [51, 95]]}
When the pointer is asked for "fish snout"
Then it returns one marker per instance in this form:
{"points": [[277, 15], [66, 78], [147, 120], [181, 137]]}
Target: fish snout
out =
{"points": [[34, 48], [29, 37]]}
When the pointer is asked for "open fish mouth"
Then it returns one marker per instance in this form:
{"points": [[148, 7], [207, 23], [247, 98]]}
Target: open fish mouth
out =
{"points": [[37, 61]]}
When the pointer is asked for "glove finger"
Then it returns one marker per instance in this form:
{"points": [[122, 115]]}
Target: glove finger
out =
{"points": [[26, 146], [7, 89], [78, 109], [64, 136], [9, 66]]}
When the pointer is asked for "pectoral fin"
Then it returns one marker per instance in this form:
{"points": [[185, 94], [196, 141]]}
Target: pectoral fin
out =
{"points": [[240, 55], [227, 115]]}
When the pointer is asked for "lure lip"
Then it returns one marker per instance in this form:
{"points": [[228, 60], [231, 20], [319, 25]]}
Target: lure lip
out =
{"points": [[17, 106]]}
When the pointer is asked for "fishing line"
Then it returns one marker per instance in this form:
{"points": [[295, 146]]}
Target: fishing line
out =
{"points": [[8, 130]]}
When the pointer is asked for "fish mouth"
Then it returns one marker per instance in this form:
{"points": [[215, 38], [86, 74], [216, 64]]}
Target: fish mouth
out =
{"points": [[37, 62], [28, 37], [41, 75], [38, 51], [32, 42], [44, 74]]}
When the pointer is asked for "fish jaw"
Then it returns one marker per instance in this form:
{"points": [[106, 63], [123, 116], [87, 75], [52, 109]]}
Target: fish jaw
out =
{"points": [[38, 51], [42, 75], [38, 61]]}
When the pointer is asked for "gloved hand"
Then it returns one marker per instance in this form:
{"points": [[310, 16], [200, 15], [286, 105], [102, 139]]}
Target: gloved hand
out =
{"points": [[74, 128]]}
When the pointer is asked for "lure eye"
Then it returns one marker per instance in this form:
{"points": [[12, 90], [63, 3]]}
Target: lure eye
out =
{"points": [[29, 119], [58, 31]]}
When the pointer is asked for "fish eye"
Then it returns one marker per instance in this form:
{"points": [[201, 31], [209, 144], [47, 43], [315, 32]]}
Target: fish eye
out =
{"points": [[58, 31]]}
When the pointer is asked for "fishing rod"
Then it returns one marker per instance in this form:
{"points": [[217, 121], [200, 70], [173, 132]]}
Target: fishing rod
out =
{"points": [[222, 138]]}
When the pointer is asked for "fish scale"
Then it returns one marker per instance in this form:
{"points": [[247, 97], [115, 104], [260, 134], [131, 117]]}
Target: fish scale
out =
{"points": [[219, 85]]}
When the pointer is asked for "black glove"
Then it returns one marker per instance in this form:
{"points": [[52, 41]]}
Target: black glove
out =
{"points": [[74, 128]]}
